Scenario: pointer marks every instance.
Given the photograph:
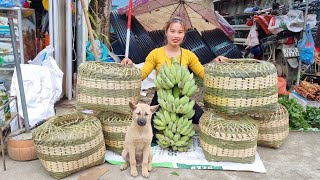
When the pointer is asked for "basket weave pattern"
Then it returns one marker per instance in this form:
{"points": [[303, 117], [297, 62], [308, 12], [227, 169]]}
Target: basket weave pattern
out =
{"points": [[107, 87], [115, 127], [68, 143], [228, 139], [273, 127], [240, 86]]}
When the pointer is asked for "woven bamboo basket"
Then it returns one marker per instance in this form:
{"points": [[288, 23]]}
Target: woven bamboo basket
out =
{"points": [[114, 128], [107, 87], [241, 86], [273, 127], [228, 139], [68, 143]]}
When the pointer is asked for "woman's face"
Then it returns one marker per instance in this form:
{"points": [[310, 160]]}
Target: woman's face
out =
{"points": [[175, 34]]}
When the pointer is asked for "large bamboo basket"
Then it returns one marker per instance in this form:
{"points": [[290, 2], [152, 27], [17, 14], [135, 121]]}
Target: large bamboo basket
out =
{"points": [[107, 87], [115, 127], [241, 86], [228, 139], [273, 127], [68, 143]]}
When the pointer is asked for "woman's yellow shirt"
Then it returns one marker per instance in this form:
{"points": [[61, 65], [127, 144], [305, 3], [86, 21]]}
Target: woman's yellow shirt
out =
{"points": [[158, 56]]}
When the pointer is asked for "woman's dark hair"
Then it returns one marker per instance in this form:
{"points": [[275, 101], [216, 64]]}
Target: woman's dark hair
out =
{"points": [[176, 19]]}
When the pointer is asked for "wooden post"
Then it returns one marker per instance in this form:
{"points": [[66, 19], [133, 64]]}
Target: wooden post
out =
{"points": [[94, 47]]}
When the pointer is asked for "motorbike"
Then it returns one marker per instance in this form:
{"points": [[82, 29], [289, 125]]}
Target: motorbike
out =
{"points": [[280, 49]]}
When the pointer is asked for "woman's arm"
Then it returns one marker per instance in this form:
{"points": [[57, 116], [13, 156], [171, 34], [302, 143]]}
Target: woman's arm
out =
{"points": [[195, 65], [148, 65]]}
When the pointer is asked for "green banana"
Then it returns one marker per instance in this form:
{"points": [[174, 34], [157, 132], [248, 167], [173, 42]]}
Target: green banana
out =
{"points": [[184, 130], [169, 133], [173, 116], [186, 87], [179, 143], [163, 145], [167, 116], [184, 138], [176, 102], [191, 133], [178, 73], [190, 114], [192, 90], [174, 128], [176, 137], [160, 115], [167, 81], [173, 71], [159, 127], [162, 83], [160, 136], [158, 122], [170, 125]]}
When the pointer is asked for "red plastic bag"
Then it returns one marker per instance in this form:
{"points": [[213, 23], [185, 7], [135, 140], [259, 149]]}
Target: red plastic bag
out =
{"points": [[282, 84]]}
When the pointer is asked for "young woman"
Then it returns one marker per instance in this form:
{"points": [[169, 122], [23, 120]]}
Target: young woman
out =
{"points": [[175, 30]]}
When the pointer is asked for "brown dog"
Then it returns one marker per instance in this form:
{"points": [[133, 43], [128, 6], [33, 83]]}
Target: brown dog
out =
{"points": [[137, 145]]}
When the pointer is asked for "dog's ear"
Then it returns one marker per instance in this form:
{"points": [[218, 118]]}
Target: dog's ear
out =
{"points": [[132, 106], [154, 108]]}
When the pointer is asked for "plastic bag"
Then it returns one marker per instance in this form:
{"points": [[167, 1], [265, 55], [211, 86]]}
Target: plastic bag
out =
{"points": [[225, 25], [42, 82], [277, 24], [11, 3], [252, 39], [306, 47], [295, 20], [282, 84], [101, 50]]}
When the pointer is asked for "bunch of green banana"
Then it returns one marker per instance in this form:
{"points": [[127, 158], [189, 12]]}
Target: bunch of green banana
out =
{"points": [[174, 132], [175, 85], [176, 75]]}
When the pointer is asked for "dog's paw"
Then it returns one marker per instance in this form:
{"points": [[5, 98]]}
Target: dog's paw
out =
{"points": [[149, 167], [145, 174], [124, 166], [134, 173]]}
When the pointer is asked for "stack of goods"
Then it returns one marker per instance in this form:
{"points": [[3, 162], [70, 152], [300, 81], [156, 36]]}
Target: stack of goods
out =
{"points": [[175, 86], [68, 143], [232, 90], [108, 88], [220, 44], [273, 127], [226, 138], [114, 127], [241, 86], [308, 90]]}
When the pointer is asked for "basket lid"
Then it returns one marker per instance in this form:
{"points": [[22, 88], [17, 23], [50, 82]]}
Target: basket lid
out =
{"points": [[109, 71]]}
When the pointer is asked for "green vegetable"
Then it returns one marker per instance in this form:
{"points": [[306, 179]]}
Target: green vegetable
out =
{"points": [[312, 115], [297, 113]]}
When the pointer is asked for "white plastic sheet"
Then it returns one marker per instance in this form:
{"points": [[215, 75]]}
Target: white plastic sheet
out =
{"points": [[42, 82], [193, 159]]}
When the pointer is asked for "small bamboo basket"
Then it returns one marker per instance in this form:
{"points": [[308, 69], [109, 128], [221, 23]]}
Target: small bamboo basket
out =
{"points": [[273, 127], [240, 86], [115, 127], [107, 87], [228, 139], [68, 143]]}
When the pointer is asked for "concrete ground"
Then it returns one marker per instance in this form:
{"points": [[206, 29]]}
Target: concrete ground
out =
{"points": [[298, 158]]}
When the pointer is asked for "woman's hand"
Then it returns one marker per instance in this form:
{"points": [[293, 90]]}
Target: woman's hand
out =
{"points": [[221, 59], [126, 61]]}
